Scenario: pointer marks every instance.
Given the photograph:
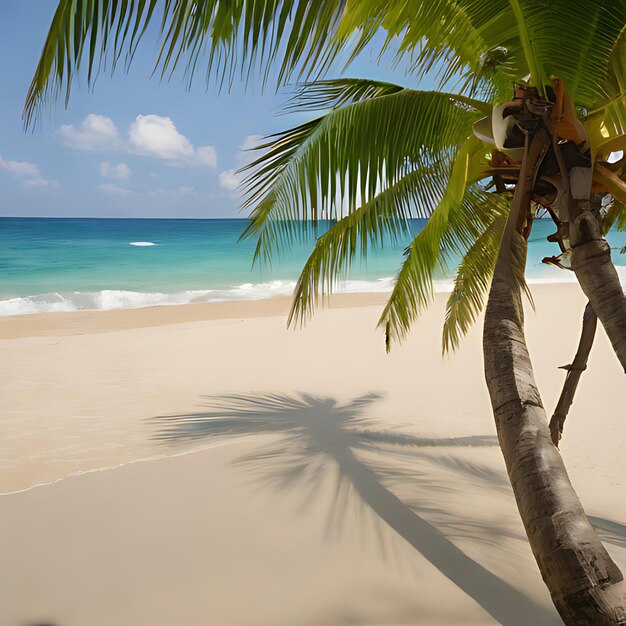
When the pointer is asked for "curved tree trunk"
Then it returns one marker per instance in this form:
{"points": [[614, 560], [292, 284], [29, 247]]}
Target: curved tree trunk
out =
{"points": [[591, 261], [585, 584], [591, 254], [574, 372]]}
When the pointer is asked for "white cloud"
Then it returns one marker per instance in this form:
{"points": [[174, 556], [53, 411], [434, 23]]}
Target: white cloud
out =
{"points": [[41, 183], [96, 132], [114, 190], [183, 190], [28, 173], [121, 171], [20, 169], [250, 142], [158, 137], [231, 179], [206, 155], [151, 135]]}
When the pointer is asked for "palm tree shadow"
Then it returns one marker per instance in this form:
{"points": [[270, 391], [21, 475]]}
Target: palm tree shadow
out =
{"points": [[609, 531], [314, 430]]}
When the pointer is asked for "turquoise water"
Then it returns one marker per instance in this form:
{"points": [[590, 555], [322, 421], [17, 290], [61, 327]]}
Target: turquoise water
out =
{"points": [[69, 264]]}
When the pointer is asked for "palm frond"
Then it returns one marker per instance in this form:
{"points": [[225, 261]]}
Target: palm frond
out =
{"points": [[438, 34], [534, 65], [609, 179], [229, 36], [620, 222], [480, 45], [613, 214], [472, 280], [297, 39], [457, 221], [490, 43], [347, 157], [569, 39], [384, 219], [615, 217], [572, 40], [336, 93], [585, 60], [609, 110]]}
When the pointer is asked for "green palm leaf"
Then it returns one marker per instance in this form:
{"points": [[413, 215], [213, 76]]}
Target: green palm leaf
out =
{"points": [[384, 217], [454, 225], [482, 44], [346, 158], [615, 217], [336, 93], [440, 34], [244, 35], [472, 280], [502, 39]]}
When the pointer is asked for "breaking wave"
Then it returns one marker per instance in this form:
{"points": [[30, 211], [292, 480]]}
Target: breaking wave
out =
{"points": [[120, 299]]}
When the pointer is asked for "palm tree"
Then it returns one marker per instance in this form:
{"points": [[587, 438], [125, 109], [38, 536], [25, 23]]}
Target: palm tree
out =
{"points": [[529, 107]]}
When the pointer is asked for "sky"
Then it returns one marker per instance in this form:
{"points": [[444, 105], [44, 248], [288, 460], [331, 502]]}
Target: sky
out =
{"points": [[134, 146]]}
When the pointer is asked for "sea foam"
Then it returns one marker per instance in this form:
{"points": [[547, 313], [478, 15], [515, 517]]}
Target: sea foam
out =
{"points": [[122, 299], [142, 244]]}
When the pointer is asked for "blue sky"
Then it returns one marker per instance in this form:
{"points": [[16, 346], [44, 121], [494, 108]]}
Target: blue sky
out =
{"points": [[132, 147]]}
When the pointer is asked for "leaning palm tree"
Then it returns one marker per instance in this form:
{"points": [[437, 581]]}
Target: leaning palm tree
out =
{"points": [[529, 107]]}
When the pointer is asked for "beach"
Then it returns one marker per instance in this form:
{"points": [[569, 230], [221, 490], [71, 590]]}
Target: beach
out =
{"points": [[201, 464]]}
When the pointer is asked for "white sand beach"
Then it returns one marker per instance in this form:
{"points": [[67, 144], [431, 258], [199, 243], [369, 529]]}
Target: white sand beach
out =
{"points": [[201, 464]]}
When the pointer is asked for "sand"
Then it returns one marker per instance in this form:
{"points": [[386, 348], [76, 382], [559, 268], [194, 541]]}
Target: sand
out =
{"points": [[200, 464]]}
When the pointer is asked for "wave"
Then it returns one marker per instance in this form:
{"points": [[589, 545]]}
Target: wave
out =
{"points": [[121, 299], [143, 244]]}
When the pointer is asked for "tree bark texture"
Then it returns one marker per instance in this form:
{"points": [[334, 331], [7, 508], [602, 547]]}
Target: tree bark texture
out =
{"points": [[574, 372], [598, 278], [591, 259]]}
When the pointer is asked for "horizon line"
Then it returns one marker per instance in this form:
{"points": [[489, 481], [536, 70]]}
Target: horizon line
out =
{"points": [[69, 217]]}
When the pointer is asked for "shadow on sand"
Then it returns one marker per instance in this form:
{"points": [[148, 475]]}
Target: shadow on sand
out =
{"points": [[609, 531], [319, 430]]}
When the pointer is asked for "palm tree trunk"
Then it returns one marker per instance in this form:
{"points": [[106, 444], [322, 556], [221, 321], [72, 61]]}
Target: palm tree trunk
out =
{"points": [[591, 261], [585, 584], [591, 254]]}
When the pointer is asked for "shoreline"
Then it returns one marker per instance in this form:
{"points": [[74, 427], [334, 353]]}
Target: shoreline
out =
{"points": [[114, 299], [63, 323]]}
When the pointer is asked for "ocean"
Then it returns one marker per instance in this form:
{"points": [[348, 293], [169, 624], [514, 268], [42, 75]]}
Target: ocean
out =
{"points": [[70, 264]]}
